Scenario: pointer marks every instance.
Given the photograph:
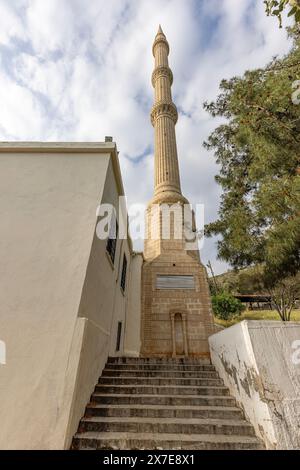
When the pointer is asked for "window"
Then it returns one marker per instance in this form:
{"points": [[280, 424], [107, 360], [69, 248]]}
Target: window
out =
{"points": [[119, 336], [112, 238], [123, 276]]}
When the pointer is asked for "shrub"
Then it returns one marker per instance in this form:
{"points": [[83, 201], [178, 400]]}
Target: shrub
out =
{"points": [[226, 306]]}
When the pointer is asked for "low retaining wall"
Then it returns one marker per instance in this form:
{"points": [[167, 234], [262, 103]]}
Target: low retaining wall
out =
{"points": [[260, 363]]}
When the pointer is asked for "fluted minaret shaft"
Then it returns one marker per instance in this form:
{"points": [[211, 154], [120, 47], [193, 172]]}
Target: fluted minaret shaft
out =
{"points": [[164, 117]]}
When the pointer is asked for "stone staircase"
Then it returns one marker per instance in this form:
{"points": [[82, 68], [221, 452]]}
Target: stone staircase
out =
{"points": [[149, 403]]}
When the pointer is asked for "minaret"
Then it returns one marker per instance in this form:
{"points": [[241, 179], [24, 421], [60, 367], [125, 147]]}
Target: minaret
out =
{"points": [[164, 117], [176, 308], [167, 187]]}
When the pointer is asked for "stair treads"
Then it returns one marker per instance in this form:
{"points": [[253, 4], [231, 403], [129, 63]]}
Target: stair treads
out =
{"points": [[159, 372], [158, 389], [164, 411], [163, 403], [164, 366], [163, 399], [160, 380], [167, 425], [153, 441]]}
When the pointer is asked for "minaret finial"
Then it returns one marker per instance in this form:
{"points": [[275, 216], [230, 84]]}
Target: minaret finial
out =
{"points": [[160, 32]]}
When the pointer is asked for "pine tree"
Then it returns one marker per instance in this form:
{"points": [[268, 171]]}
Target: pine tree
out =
{"points": [[277, 7], [258, 150]]}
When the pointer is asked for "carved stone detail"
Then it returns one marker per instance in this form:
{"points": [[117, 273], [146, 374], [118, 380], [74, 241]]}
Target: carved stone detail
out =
{"points": [[162, 72], [162, 108]]}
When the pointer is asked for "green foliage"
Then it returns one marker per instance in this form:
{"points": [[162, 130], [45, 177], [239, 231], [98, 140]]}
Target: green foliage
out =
{"points": [[257, 315], [258, 151], [243, 281], [254, 280], [251, 281], [225, 306], [276, 8]]}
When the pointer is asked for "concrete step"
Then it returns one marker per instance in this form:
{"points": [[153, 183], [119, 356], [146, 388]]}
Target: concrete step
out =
{"points": [[167, 400], [166, 425], [163, 411], [162, 389], [159, 372], [153, 367], [151, 441], [163, 403], [158, 360], [135, 381]]}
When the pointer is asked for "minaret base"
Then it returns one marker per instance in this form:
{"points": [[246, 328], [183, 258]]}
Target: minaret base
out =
{"points": [[175, 322]]}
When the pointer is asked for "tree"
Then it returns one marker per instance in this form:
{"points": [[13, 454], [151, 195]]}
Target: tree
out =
{"points": [[284, 294], [276, 8], [251, 281], [254, 280], [226, 306], [213, 285], [258, 150]]}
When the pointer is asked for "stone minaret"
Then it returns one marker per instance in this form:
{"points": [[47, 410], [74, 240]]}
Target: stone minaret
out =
{"points": [[176, 309], [164, 117]]}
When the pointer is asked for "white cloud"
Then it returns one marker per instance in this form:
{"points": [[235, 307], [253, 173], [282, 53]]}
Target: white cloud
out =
{"points": [[21, 116], [11, 25], [77, 70], [46, 77], [51, 25]]}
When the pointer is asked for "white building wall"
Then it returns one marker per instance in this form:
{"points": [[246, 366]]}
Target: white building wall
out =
{"points": [[132, 336], [59, 296]]}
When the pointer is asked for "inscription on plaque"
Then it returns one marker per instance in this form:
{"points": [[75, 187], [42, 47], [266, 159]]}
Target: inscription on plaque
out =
{"points": [[175, 282]]}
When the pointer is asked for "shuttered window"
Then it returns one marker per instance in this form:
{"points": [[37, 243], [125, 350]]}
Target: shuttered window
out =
{"points": [[175, 282], [112, 239], [123, 276], [119, 333]]}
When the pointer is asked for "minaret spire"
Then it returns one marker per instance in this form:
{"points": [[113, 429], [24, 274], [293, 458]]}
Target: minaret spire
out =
{"points": [[164, 117], [160, 31]]}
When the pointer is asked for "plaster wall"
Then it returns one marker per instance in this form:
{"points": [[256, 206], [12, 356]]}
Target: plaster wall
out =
{"points": [[60, 294], [132, 340], [47, 211], [103, 304], [259, 363]]}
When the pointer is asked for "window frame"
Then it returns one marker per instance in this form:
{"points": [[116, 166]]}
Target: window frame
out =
{"points": [[119, 336], [111, 243], [123, 277]]}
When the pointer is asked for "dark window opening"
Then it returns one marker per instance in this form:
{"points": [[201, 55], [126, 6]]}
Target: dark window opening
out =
{"points": [[112, 238], [123, 276], [119, 336]]}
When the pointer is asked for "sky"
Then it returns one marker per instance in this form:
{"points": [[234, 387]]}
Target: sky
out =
{"points": [[78, 70]]}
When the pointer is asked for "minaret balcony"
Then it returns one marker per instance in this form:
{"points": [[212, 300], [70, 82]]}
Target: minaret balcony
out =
{"points": [[162, 72], [164, 109]]}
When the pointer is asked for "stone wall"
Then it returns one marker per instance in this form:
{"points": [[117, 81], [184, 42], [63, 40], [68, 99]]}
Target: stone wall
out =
{"points": [[160, 328]]}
